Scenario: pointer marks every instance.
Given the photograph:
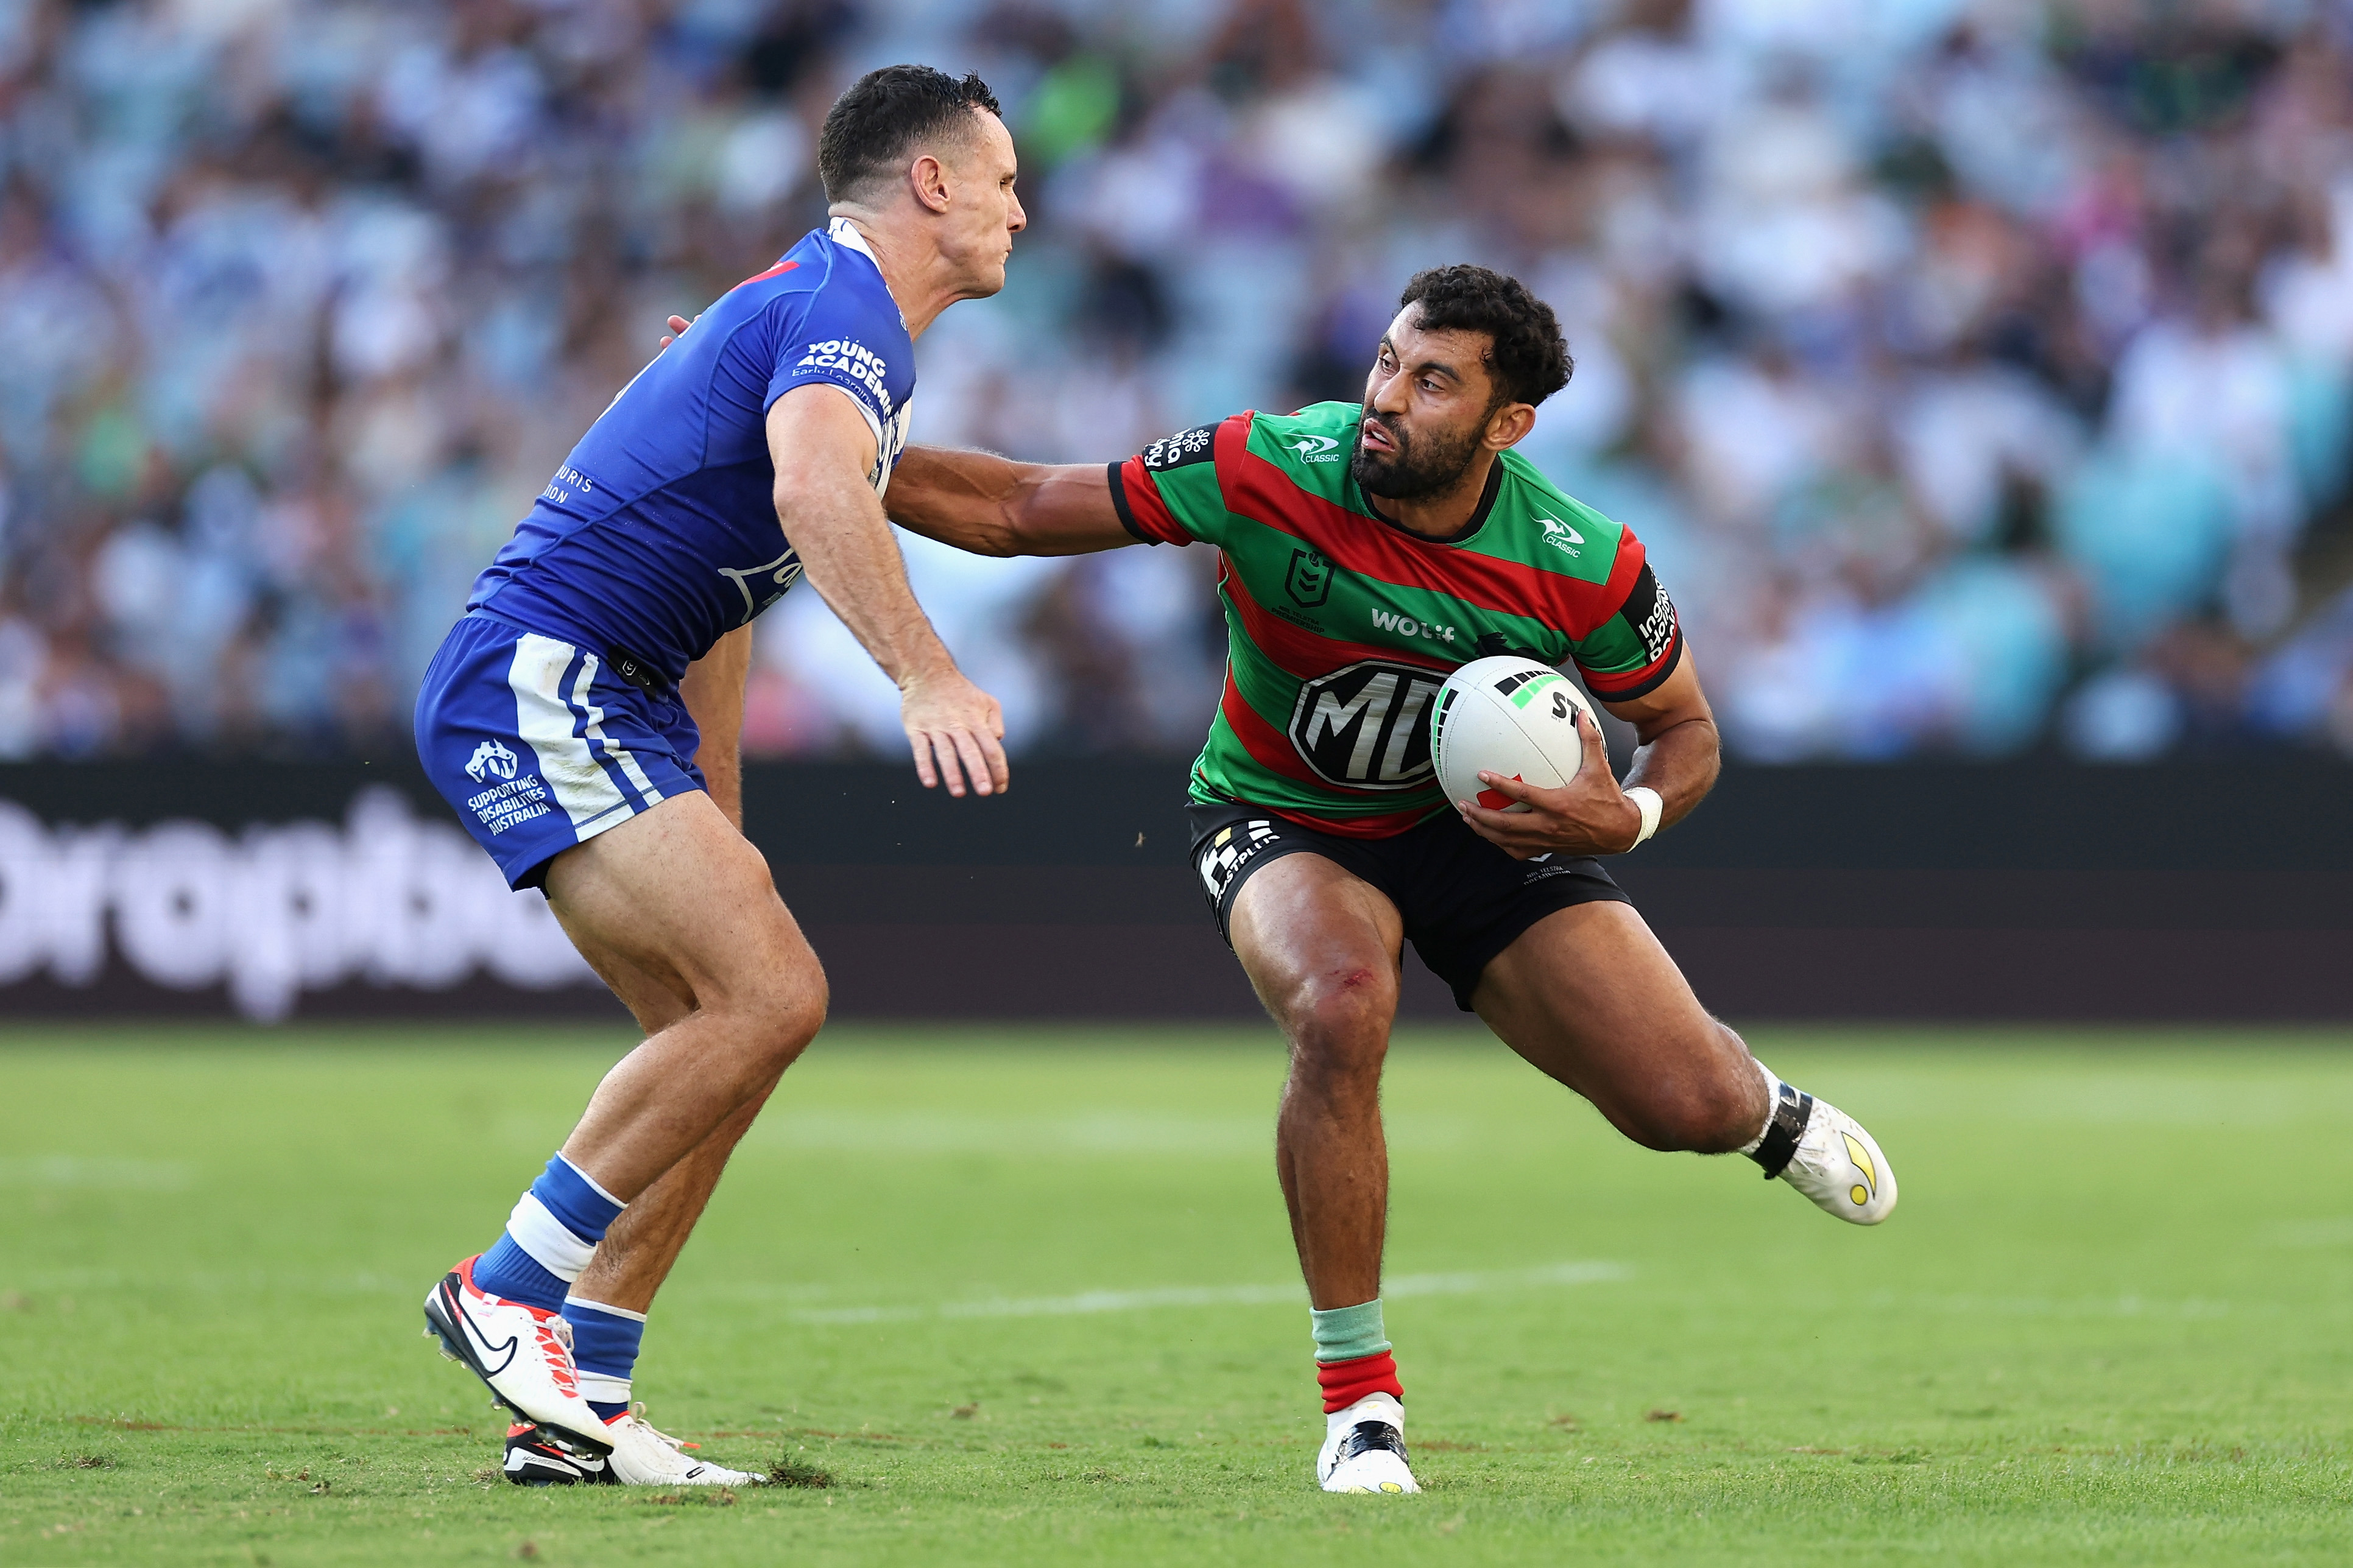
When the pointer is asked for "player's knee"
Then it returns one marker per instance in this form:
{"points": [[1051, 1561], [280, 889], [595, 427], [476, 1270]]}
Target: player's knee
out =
{"points": [[1339, 1023], [779, 1015], [796, 1018]]}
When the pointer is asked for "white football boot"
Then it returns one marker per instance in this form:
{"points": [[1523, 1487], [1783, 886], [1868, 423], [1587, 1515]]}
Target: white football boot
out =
{"points": [[522, 1353], [645, 1457], [1364, 1448], [1825, 1154]]}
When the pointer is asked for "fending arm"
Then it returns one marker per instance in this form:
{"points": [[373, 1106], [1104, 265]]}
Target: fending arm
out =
{"points": [[823, 448], [993, 506]]}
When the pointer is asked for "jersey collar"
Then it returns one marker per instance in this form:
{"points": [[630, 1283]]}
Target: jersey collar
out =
{"points": [[841, 231], [844, 233], [1478, 515]]}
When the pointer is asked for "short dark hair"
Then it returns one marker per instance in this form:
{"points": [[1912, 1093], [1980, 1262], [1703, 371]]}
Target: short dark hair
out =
{"points": [[884, 114], [1529, 359]]}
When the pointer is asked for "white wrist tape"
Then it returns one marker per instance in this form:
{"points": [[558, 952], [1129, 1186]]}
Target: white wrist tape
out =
{"points": [[1649, 802]]}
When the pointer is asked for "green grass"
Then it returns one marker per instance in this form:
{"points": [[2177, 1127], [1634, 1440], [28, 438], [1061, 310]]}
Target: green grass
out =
{"points": [[2112, 1321]]}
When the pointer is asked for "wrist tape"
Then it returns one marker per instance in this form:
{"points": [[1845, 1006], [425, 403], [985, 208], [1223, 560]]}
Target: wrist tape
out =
{"points": [[1652, 805]]}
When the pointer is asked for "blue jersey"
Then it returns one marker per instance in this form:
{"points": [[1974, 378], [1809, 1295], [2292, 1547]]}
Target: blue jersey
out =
{"points": [[659, 536]]}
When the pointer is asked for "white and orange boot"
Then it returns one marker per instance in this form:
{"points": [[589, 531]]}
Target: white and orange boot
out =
{"points": [[641, 1456], [523, 1355]]}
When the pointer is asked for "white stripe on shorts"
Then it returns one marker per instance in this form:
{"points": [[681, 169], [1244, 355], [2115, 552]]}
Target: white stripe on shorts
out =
{"points": [[580, 785], [594, 731]]}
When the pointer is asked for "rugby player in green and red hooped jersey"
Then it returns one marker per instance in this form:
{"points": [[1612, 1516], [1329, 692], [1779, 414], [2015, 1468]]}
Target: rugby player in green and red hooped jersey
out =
{"points": [[1364, 553]]}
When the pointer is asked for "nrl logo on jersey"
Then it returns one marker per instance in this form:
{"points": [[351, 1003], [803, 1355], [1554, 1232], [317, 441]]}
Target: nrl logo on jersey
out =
{"points": [[1314, 448], [1561, 536], [1367, 726], [491, 759], [1309, 581]]}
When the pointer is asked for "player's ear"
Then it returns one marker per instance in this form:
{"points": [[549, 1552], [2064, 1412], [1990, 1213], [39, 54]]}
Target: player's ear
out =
{"points": [[1509, 426], [928, 178]]}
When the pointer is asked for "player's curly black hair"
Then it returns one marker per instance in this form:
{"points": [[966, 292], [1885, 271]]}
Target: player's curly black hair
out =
{"points": [[882, 116], [1529, 358]]}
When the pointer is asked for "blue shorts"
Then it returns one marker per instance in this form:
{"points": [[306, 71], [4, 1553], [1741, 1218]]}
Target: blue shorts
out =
{"points": [[539, 746]]}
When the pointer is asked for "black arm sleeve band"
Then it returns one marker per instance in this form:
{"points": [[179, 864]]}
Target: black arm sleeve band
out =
{"points": [[1119, 504]]}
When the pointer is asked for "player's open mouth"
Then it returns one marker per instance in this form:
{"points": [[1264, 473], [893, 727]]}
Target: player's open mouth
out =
{"points": [[1377, 439]]}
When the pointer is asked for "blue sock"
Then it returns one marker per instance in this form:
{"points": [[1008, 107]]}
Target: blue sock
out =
{"points": [[507, 1271], [604, 1348], [549, 1238]]}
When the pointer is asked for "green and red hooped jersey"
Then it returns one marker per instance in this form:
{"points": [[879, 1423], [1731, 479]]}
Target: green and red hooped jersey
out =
{"points": [[1342, 625]]}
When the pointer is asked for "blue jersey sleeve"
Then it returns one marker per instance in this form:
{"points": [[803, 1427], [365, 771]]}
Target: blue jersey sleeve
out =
{"points": [[842, 340]]}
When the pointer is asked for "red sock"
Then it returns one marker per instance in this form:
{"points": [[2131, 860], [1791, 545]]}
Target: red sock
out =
{"points": [[1347, 1381]]}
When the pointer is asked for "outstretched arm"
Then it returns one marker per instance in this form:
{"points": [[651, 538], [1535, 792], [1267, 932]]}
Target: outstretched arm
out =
{"points": [[995, 506], [823, 451]]}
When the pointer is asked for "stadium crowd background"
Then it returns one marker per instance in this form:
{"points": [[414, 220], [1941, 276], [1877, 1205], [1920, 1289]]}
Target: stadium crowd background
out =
{"points": [[1977, 372]]}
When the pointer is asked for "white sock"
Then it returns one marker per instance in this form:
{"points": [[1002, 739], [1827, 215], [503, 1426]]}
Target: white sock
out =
{"points": [[1772, 1102]]}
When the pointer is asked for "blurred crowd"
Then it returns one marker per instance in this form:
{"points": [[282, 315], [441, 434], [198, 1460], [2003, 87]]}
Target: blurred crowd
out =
{"points": [[1980, 373]]}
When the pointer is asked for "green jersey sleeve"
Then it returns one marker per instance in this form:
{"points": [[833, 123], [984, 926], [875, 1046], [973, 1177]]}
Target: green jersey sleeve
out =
{"points": [[1169, 494], [1633, 650]]}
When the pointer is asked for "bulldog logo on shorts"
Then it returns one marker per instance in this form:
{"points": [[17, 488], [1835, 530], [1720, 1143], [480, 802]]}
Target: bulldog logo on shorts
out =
{"points": [[491, 759]]}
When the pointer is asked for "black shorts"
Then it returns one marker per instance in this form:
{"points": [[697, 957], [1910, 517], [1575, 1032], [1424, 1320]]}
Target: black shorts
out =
{"points": [[1464, 901]]}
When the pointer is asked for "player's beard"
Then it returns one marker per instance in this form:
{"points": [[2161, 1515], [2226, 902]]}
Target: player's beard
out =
{"points": [[1423, 465]]}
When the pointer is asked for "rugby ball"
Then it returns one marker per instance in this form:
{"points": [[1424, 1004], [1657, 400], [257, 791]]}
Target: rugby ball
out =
{"points": [[1511, 716]]}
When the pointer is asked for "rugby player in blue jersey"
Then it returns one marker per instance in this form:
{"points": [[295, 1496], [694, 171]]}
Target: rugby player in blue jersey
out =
{"points": [[583, 717]]}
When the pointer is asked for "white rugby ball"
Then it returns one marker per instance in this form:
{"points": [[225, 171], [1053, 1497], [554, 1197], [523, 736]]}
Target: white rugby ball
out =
{"points": [[1511, 716]]}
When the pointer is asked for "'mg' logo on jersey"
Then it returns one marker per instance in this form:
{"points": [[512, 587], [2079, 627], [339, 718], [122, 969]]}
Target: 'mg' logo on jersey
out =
{"points": [[1367, 726]]}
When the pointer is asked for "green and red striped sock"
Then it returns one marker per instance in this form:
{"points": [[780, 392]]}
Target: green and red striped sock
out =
{"points": [[1352, 1356]]}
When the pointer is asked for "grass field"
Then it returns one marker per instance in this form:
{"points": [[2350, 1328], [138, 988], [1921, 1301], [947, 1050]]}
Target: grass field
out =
{"points": [[1027, 1297]]}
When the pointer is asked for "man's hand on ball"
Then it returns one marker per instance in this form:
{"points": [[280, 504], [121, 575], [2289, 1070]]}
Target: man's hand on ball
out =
{"points": [[1588, 816], [949, 719]]}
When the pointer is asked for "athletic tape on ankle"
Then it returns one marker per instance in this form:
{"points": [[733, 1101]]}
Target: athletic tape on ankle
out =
{"points": [[1772, 1099], [1785, 1132], [599, 1389]]}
